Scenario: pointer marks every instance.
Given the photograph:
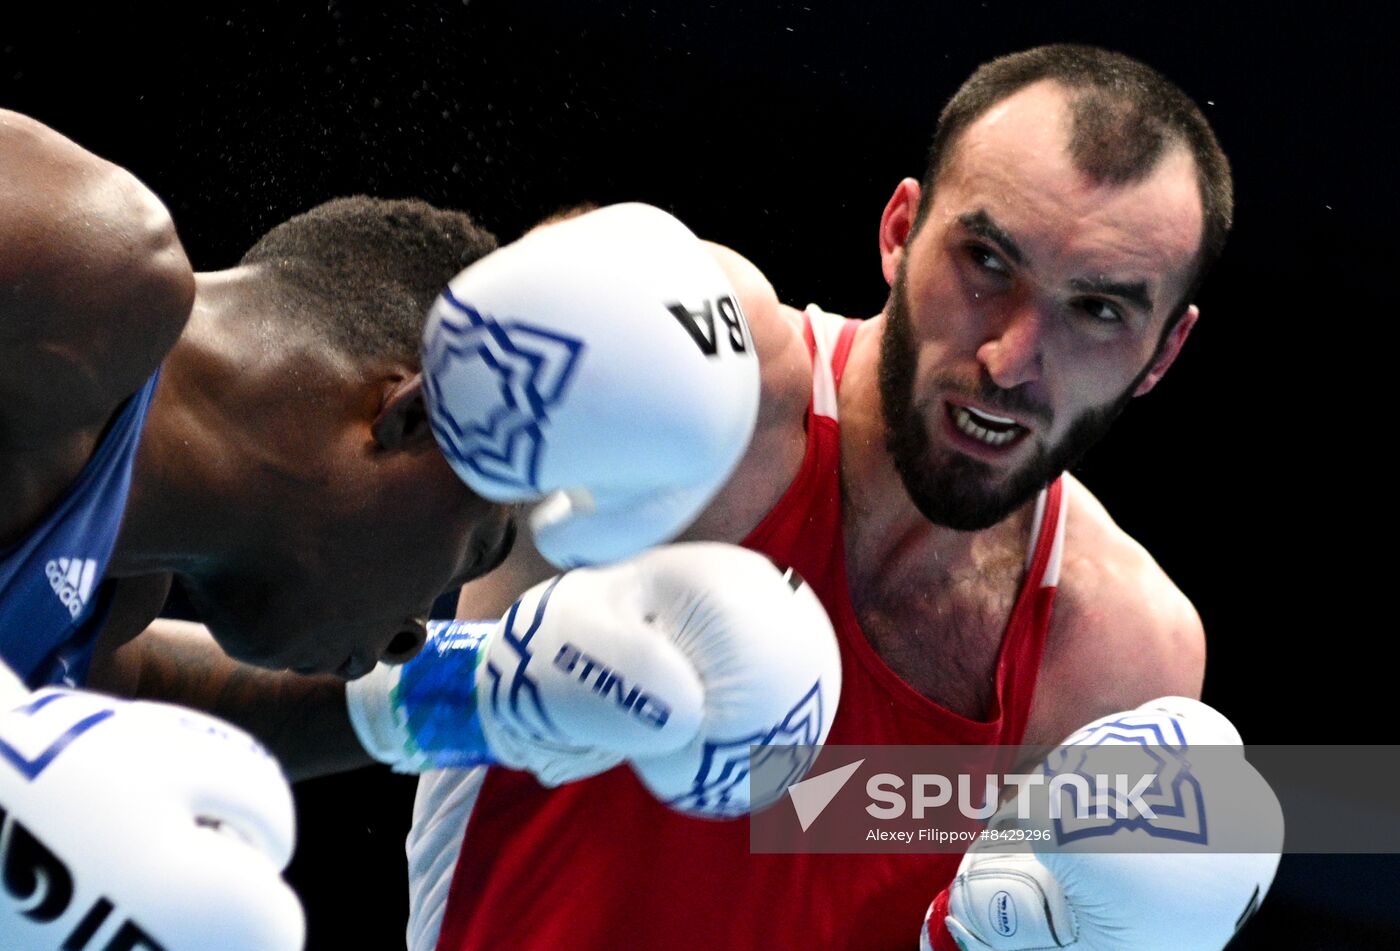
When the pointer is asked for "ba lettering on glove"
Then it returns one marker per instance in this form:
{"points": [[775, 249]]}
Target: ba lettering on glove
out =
{"points": [[601, 367]]}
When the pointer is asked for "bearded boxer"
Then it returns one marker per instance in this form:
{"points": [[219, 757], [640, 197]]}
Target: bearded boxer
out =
{"points": [[912, 468], [261, 434]]}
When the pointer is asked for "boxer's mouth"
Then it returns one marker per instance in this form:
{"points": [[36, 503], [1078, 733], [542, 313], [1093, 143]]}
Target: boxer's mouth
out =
{"points": [[984, 427]]}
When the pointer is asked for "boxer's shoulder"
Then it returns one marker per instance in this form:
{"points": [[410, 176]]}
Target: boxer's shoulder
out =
{"points": [[94, 289], [94, 285], [1105, 569], [1122, 632]]}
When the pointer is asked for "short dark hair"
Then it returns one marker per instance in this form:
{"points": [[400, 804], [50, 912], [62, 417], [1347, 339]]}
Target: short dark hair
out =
{"points": [[1124, 116], [363, 272]]}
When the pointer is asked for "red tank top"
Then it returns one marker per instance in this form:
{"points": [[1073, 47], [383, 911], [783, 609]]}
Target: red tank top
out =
{"points": [[601, 864]]}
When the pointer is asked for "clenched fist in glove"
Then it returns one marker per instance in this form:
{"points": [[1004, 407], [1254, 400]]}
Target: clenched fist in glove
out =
{"points": [[675, 662], [134, 826], [1185, 880], [601, 367]]}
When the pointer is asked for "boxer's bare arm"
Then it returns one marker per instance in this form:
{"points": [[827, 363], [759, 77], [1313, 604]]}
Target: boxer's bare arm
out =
{"points": [[302, 720], [94, 285], [1122, 634], [94, 289]]}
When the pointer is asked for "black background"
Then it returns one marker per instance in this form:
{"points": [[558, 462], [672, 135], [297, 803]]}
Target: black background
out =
{"points": [[1256, 473]]}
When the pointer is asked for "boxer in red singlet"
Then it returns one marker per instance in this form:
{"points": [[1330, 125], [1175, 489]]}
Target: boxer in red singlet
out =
{"points": [[910, 467]]}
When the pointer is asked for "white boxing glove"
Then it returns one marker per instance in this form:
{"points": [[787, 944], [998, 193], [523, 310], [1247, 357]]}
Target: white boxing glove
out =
{"points": [[600, 366], [1180, 889], [142, 827], [676, 661]]}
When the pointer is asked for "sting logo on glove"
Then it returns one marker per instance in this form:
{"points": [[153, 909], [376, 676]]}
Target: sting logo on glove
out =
{"points": [[605, 680]]}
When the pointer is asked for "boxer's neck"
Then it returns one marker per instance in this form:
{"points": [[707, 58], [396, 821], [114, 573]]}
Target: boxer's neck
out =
{"points": [[224, 436], [883, 526]]}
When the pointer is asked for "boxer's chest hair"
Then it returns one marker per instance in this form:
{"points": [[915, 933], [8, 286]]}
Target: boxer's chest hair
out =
{"points": [[938, 626]]}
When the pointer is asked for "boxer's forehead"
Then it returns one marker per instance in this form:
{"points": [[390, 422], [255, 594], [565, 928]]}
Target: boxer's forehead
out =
{"points": [[1014, 164]]}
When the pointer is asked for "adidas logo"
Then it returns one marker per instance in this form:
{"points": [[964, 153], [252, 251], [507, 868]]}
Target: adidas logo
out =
{"points": [[71, 579]]}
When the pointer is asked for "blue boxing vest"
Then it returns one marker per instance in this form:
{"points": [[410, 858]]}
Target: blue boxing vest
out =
{"points": [[53, 601]]}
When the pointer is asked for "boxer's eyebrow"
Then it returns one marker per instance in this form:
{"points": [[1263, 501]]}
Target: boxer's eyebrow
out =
{"points": [[981, 224], [1134, 292]]}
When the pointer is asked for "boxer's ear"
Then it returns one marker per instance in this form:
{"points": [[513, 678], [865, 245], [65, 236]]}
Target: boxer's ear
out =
{"points": [[402, 422], [897, 226], [1169, 350]]}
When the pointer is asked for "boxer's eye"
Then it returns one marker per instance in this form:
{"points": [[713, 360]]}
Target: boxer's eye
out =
{"points": [[985, 259], [1100, 310]]}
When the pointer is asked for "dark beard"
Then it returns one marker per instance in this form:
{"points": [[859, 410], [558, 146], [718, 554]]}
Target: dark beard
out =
{"points": [[948, 487]]}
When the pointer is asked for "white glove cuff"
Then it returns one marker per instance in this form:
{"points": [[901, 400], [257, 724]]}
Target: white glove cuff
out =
{"points": [[380, 725]]}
